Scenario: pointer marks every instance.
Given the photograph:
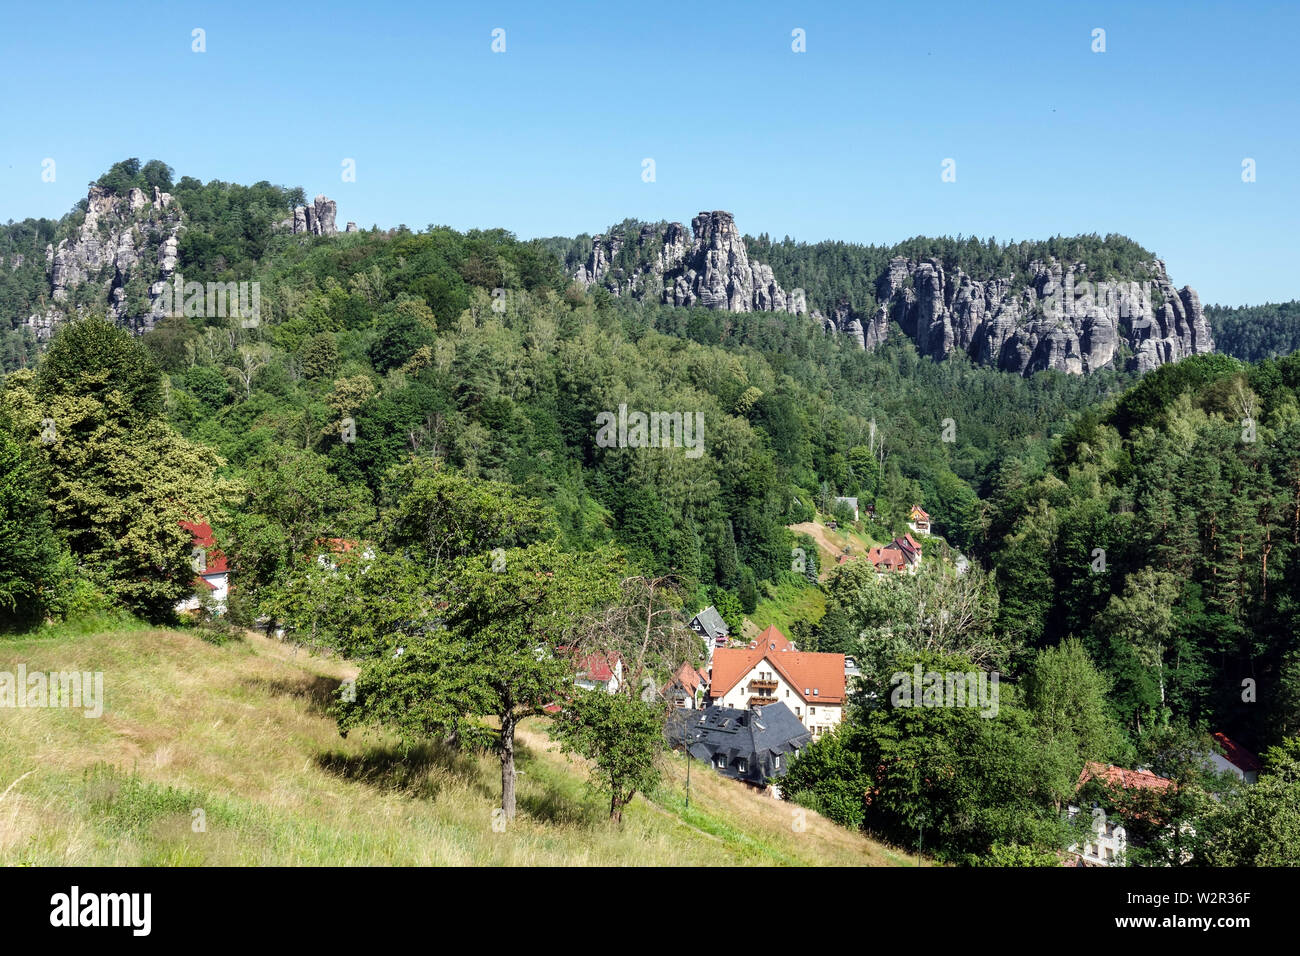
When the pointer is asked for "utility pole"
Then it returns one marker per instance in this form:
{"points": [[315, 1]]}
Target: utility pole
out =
{"points": [[688, 765]]}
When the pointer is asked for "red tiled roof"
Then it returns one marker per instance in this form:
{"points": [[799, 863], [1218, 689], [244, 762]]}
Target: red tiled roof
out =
{"points": [[687, 677], [1125, 779], [202, 533], [1237, 755], [597, 666], [919, 512], [801, 669], [889, 556], [338, 545]]}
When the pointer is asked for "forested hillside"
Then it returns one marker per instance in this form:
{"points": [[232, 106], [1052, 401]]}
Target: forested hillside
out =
{"points": [[428, 402], [1254, 332]]}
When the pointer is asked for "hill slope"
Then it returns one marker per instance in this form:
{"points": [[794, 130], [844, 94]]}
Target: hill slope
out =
{"points": [[240, 732]]}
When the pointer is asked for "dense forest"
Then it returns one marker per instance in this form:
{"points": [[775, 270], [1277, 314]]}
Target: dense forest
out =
{"points": [[1254, 332], [1135, 544]]}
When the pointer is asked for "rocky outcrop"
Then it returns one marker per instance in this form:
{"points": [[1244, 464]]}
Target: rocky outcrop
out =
{"points": [[1057, 319], [708, 267], [120, 238], [316, 219]]}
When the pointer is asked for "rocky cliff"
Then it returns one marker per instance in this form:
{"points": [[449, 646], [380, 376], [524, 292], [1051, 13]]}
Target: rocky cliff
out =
{"points": [[316, 219], [1051, 316], [1056, 319], [709, 267], [120, 239], [120, 255]]}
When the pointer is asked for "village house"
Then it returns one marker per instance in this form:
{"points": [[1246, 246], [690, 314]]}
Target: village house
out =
{"points": [[918, 520], [901, 554], [887, 560], [852, 503], [772, 670], [336, 551], [1235, 759], [710, 626], [599, 670], [753, 745], [1108, 842], [1106, 845], [911, 549], [212, 576], [687, 687]]}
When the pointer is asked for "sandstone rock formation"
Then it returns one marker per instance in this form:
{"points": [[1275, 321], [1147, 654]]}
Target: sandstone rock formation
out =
{"points": [[1058, 320], [316, 219], [120, 238], [709, 267]]}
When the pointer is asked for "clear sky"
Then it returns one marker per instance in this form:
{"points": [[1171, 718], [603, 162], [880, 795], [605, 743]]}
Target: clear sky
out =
{"points": [[844, 141]]}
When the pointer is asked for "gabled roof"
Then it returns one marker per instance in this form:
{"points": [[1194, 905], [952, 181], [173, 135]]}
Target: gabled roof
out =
{"points": [[1237, 755], [686, 677], [214, 558], [908, 546], [817, 678], [918, 512], [598, 666], [711, 622], [1122, 778], [755, 734], [890, 557]]}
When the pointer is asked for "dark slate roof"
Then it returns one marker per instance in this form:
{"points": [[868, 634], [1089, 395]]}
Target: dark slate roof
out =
{"points": [[757, 735], [710, 622]]}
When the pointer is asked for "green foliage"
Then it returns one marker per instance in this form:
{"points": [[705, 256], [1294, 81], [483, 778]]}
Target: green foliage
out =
{"points": [[28, 553], [1254, 332], [622, 736], [828, 776], [1260, 825], [92, 358]]}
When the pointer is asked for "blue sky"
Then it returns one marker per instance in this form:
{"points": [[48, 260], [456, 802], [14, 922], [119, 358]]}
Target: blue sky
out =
{"points": [[844, 141]]}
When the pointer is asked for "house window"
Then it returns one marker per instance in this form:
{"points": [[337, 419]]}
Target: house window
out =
{"points": [[720, 762], [741, 765], [811, 711], [796, 712], [776, 762]]}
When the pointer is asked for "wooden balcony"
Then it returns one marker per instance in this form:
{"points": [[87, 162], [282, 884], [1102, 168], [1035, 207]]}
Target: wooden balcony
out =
{"points": [[760, 701], [768, 685]]}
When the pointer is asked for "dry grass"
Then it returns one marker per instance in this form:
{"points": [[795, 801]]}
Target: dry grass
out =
{"points": [[241, 732]]}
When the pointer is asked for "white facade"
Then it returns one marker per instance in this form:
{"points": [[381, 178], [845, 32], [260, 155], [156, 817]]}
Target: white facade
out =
{"points": [[1107, 844], [220, 582], [610, 686], [817, 716], [1221, 764]]}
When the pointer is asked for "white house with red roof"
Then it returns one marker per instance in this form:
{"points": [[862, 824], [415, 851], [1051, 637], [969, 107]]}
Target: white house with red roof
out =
{"points": [[773, 670], [1235, 759], [1107, 843], [600, 670], [212, 577]]}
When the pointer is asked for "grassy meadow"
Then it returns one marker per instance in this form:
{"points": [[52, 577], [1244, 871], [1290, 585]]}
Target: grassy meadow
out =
{"points": [[241, 732]]}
